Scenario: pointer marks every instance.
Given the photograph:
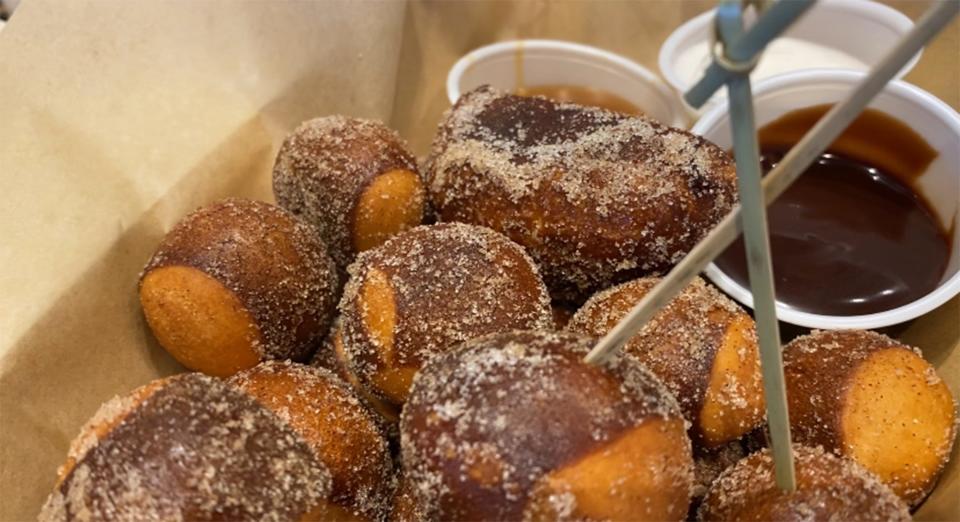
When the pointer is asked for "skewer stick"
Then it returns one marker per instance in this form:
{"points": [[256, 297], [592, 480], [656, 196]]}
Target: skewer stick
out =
{"points": [[774, 21], [747, 154], [776, 182]]}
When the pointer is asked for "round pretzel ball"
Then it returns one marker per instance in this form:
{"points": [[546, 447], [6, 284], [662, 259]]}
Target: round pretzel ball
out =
{"points": [[427, 290], [868, 397], [354, 179], [516, 426], [344, 434], [596, 197], [828, 488], [188, 447], [237, 283], [702, 345]]}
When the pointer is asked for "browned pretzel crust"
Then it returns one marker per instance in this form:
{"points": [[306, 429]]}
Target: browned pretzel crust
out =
{"points": [[595, 196], [194, 449]]}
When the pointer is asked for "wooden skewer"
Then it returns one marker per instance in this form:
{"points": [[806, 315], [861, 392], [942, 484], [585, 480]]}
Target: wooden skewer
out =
{"points": [[774, 21], [760, 268]]}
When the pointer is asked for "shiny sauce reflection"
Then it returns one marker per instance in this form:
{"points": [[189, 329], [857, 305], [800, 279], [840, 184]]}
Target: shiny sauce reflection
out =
{"points": [[851, 236]]}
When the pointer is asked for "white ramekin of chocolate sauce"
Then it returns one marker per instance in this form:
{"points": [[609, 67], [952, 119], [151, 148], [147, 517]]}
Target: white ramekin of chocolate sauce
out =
{"points": [[869, 236], [834, 34], [567, 71]]}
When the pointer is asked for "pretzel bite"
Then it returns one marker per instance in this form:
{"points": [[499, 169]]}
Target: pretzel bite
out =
{"points": [[188, 447], [516, 426], [428, 289], [596, 197], [236, 283], [354, 179], [828, 488], [865, 396], [702, 345], [346, 437]]}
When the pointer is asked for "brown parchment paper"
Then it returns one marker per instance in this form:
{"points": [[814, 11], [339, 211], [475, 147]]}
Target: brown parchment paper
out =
{"points": [[119, 117]]}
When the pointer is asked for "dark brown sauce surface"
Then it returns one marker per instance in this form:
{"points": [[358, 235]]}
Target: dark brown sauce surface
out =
{"points": [[581, 96], [851, 236]]}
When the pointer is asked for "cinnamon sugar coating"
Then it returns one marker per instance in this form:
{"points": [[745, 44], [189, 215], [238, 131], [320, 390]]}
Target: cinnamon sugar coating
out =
{"points": [[325, 164], [348, 438], [828, 488], [505, 416], [428, 289], [596, 197], [868, 397], [681, 345], [195, 449], [271, 261]]}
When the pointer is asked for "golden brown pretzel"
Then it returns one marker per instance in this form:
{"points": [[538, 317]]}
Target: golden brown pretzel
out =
{"points": [[702, 345], [868, 397], [354, 179], [516, 426], [828, 488], [596, 197], [348, 438], [190, 447], [428, 289], [236, 283]]}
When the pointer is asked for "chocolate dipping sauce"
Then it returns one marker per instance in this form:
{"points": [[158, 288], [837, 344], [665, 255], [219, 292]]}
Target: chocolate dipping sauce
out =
{"points": [[850, 236]]}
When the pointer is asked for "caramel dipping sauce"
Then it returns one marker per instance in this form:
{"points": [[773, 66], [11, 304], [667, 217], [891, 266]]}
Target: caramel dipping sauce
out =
{"points": [[850, 236], [581, 96]]}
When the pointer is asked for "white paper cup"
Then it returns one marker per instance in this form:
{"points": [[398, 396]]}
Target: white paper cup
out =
{"points": [[931, 118], [862, 29], [552, 62]]}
